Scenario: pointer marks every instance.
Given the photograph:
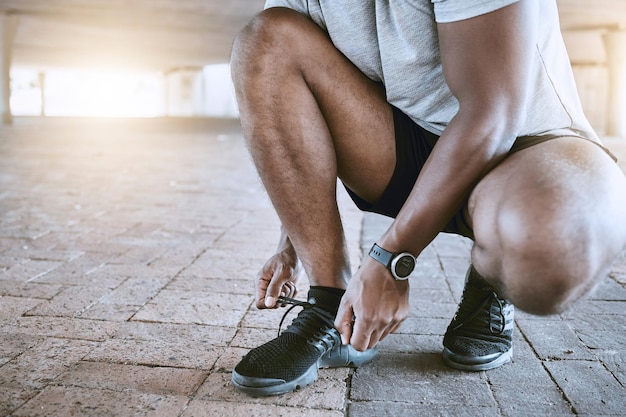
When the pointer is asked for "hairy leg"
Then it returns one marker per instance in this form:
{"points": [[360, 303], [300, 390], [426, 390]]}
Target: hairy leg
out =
{"points": [[310, 116], [548, 223]]}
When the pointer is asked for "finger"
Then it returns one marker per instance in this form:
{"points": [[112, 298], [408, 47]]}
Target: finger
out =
{"points": [[289, 290], [374, 339], [361, 333], [274, 288], [387, 332], [396, 327], [343, 322], [286, 291], [260, 289]]}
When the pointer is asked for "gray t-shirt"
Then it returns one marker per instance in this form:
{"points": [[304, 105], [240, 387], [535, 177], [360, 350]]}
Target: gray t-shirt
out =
{"points": [[395, 42]]}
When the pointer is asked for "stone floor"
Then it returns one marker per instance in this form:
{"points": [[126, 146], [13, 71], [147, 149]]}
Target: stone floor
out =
{"points": [[127, 254]]}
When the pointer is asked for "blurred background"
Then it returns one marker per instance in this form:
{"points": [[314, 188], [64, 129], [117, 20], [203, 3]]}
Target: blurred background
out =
{"points": [[169, 58]]}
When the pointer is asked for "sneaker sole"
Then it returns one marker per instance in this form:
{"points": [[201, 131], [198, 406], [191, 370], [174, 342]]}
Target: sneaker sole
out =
{"points": [[341, 356], [264, 387], [476, 364]]}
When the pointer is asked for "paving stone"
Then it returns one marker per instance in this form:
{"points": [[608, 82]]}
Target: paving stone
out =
{"points": [[452, 246], [391, 376], [166, 353], [602, 340], [229, 359], [410, 409], [13, 307], [74, 271], [171, 306], [29, 289], [28, 270], [110, 312], [251, 338], [229, 409], [543, 398], [14, 344], [13, 398], [609, 290], [8, 261], [70, 401], [196, 334], [41, 364], [411, 343], [589, 387], [428, 276], [194, 347], [113, 275], [436, 296], [123, 377], [202, 284], [426, 308], [178, 257], [523, 368], [615, 362], [425, 326], [580, 321], [70, 302], [62, 327], [49, 254], [268, 318], [554, 340], [137, 290], [593, 307]]}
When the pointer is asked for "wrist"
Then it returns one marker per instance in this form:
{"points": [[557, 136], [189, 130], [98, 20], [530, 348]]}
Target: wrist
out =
{"points": [[399, 264]]}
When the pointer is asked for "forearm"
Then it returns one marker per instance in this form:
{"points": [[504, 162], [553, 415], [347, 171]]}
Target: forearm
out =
{"points": [[467, 150]]}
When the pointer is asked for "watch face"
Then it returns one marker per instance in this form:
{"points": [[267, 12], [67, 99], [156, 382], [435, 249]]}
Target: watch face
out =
{"points": [[403, 265]]}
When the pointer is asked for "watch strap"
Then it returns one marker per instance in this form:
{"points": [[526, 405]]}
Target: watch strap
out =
{"points": [[381, 255]]}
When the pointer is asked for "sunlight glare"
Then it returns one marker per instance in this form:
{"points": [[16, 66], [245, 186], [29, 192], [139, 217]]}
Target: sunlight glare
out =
{"points": [[92, 93], [103, 94]]}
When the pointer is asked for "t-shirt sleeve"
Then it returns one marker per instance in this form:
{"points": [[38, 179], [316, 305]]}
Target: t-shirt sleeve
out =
{"points": [[447, 11], [297, 5]]}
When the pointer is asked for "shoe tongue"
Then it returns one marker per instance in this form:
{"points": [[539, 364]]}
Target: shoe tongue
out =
{"points": [[326, 298]]}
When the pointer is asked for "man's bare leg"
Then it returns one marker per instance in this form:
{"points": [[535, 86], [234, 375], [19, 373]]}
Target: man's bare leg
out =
{"points": [[548, 223], [310, 116]]}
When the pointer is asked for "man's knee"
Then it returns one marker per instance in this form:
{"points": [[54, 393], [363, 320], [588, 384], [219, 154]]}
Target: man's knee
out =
{"points": [[543, 267], [263, 39], [546, 290]]}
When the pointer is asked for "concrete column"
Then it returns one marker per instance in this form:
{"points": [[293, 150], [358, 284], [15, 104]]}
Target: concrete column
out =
{"points": [[615, 42], [42, 91], [185, 92], [8, 27]]}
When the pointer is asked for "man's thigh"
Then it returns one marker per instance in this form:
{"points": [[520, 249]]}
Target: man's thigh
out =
{"points": [[558, 202], [294, 87]]}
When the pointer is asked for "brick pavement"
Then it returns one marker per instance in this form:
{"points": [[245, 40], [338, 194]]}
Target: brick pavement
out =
{"points": [[127, 252]]}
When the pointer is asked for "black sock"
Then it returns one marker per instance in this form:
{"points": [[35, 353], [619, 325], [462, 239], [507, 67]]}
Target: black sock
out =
{"points": [[327, 298]]}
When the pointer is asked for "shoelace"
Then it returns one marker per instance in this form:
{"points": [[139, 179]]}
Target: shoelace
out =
{"points": [[499, 328], [313, 323]]}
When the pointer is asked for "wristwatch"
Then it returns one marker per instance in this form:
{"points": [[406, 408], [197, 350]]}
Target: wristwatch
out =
{"points": [[399, 264]]}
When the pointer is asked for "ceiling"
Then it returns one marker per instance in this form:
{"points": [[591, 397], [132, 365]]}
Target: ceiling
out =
{"points": [[158, 34], [166, 34]]}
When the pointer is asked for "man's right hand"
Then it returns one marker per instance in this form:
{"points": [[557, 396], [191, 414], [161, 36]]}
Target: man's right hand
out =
{"points": [[278, 277]]}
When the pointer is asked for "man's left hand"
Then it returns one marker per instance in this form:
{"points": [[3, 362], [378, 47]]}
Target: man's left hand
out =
{"points": [[374, 305]]}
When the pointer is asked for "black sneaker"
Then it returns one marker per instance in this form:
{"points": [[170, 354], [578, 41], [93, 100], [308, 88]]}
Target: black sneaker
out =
{"points": [[292, 359], [480, 335]]}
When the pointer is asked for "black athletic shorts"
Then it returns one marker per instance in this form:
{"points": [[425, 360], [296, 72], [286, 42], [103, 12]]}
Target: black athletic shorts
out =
{"points": [[413, 146]]}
